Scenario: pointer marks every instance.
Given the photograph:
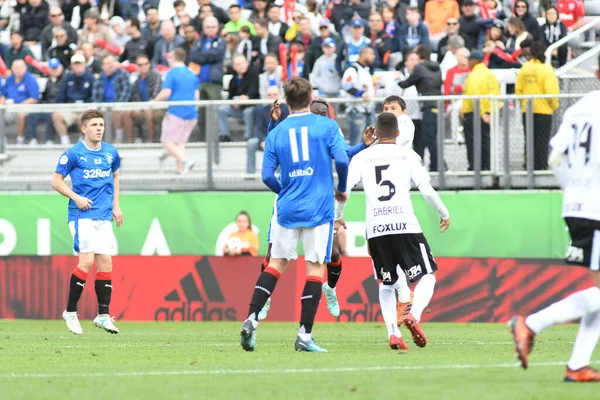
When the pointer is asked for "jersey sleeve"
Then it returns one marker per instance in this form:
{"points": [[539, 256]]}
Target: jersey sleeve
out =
{"points": [[66, 163], [116, 164], [354, 175], [169, 81], [336, 139], [560, 141], [270, 157], [418, 172]]}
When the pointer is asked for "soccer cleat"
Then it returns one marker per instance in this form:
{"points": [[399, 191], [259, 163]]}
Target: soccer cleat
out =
{"points": [[106, 322], [187, 167], [248, 335], [402, 309], [332, 301], [523, 337], [585, 374], [397, 343], [262, 315], [415, 330], [308, 345], [72, 322]]}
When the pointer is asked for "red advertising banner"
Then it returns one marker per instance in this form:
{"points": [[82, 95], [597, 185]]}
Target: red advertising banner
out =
{"points": [[186, 288]]}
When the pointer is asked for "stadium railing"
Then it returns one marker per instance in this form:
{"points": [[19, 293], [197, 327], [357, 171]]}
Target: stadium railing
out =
{"points": [[222, 166]]}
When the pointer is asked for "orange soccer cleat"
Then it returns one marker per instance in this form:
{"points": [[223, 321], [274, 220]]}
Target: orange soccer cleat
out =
{"points": [[397, 343], [415, 330], [523, 337], [585, 374], [402, 309]]}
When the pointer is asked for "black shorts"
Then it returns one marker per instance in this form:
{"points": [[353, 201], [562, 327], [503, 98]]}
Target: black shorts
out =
{"points": [[410, 251], [584, 248]]}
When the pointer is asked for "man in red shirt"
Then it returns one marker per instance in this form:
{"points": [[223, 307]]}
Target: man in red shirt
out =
{"points": [[571, 13]]}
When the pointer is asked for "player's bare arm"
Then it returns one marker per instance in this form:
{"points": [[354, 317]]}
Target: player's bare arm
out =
{"points": [[59, 184], [117, 213]]}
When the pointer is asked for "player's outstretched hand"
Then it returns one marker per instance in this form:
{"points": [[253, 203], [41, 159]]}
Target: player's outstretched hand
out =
{"points": [[340, 196], [444, 224], [275, 110], [368, 136], [83, 203], [118, 216], [340, 223]]}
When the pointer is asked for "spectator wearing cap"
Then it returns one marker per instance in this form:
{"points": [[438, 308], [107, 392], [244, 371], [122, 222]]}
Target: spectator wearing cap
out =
{"points": [[236, 21], [413, 33], [76, 87], [93, 30], [262, 117], [33, 20], [61, 49], [480, 82], [264, 41], [145, 88], [113, 86], [271, 75], [48, 97], [18, 51], [538, 78], [315, 49], [48, 36], [554, 30], [19, 88], [349, 52], [437, 13], [452, 30], [325, 76], [470, 26], [137, 45], [357, 82], [382, 40], [168, 41], [276, 26]]}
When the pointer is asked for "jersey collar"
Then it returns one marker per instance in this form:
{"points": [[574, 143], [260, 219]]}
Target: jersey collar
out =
{"points": [[299, 114], [89, 148]]}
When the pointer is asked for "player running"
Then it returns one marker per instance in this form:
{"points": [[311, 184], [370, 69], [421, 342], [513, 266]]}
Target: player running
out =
{"points": [[397, 106], [318, 106], [94, 201], [394, 235], [579, 176], [302, 146]]}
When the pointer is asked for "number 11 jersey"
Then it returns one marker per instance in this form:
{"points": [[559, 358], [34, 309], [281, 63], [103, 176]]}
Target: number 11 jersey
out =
{"points": [[386, 172], [579, 137]]}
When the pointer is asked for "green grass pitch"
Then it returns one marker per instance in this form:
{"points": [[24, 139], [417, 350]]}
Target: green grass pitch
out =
{"points": [[41, 360]]}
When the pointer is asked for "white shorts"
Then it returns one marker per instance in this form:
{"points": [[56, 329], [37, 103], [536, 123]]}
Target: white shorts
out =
{"points": [[316, 241], [92, 236]]}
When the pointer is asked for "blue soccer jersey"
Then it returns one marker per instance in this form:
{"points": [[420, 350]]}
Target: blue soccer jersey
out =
{"points": [[91, 173], [303, 146]]}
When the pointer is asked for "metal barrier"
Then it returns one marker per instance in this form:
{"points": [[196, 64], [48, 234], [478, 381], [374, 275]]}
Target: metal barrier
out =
{"points": [[221, 165]]}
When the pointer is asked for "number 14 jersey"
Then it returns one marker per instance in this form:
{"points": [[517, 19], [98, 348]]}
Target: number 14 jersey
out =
{"points": [[386, 172]]}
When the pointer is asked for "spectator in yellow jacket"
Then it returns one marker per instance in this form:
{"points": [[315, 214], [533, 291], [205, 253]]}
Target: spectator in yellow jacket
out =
{"points": [[480, 82], [535, 78]]}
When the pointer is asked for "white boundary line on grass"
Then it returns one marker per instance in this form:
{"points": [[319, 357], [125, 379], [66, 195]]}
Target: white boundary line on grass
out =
{"points": [[271, 371]]}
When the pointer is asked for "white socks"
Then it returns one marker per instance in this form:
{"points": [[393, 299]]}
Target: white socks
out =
{"points": [[587, 337], [303, 335], [422, 296], [402, 287], [570, 308], [387, 301]]}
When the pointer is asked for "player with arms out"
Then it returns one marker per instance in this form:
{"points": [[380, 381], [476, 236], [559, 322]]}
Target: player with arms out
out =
{"points": [[575, 158], [302, 146], [394, 235], [93, 203], [318, 106]]}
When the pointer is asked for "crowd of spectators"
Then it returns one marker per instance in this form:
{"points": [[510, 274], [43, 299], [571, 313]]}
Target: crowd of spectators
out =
{"points": [[121, 50]]}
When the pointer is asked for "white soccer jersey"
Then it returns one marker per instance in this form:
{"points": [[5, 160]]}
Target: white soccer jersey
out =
{"points": [[386, 171], [579, 137], [407, 131]]}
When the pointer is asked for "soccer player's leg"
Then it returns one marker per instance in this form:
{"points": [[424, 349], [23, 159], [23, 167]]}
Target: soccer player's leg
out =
{"points": [[584, 250], [419, 265], [103, 284], [83, 242], [284, 249], [317, 243], [262, 315], [384, 266], [334, 270], [405, 296]]}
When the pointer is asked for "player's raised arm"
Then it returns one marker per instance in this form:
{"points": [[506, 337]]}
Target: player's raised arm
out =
{"points": [[421, 178], [66, 163], [270, 164]]}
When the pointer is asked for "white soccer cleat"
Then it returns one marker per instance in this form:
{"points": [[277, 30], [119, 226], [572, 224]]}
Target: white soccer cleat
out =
{"points": [[105, 321], [332, 302], [72, 322], [262, 315]]}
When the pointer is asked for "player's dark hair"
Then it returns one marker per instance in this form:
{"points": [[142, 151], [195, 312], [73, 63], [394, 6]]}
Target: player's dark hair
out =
{"points": [[414, 9], [298, 92], [246, 30], [135, 22], [89, 115], [386, 126], [179, 54], [538, 50], [423, 51], [262, 22], [395, 99], [273, 55], [314, 107], [178, 3], [234, 6], [245, 213]]}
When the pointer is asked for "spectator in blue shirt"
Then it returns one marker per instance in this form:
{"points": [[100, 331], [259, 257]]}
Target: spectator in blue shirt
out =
{"points": [[262, 116], [145, 88], [181, 84], [76, 87], [413, 33], [113, 86], [165, 45], [19, 88]]}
